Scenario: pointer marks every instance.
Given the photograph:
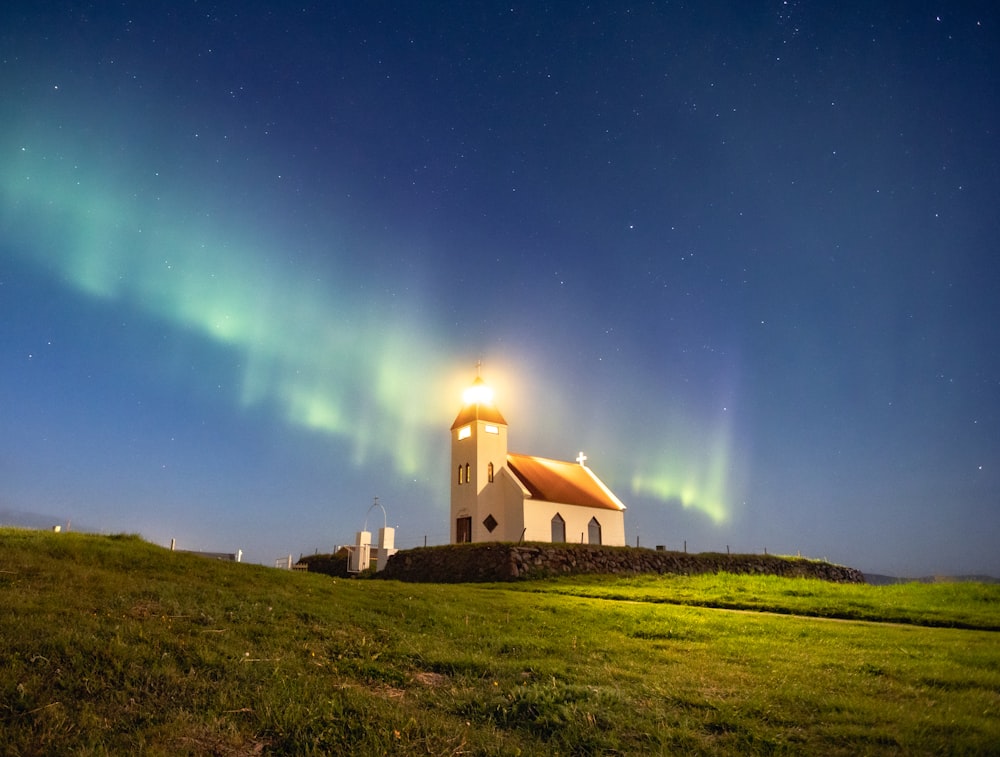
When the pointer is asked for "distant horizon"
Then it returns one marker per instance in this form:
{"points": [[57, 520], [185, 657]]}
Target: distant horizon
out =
{"points": [[32, 521]]}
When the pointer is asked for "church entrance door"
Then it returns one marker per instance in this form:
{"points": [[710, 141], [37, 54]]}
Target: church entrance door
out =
{"points": [[463, 530]]}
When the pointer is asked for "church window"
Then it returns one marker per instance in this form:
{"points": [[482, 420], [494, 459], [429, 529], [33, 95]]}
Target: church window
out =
{"points": [[467, 479], [489, 428], [464, 433], [594, 532], [461, 470], [558, 529], [489, 473], [491, 523]]}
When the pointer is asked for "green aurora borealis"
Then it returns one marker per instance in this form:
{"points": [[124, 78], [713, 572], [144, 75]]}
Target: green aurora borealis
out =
{"points": [[312, 351]]}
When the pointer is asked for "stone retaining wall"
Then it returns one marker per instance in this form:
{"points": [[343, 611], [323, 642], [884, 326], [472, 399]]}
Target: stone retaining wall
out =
{"points": [[460, 563], [330, 565]]}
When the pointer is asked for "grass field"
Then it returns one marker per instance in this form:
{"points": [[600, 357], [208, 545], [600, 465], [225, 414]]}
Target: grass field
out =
{"points": [[110, 645]]}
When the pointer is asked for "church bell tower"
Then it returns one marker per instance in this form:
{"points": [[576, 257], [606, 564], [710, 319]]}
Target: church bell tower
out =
{"points": [[478, 453]]}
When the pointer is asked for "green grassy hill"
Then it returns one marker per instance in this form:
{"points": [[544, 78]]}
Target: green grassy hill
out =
{"points": [[110, 645]]}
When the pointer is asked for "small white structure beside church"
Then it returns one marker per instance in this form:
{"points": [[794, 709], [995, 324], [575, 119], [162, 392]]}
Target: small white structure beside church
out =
{"points": [[360, 554], [500, 496]]}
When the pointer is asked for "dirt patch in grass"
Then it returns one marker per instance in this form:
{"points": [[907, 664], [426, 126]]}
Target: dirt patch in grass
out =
{"points": [[204, 739], [427, 678]]}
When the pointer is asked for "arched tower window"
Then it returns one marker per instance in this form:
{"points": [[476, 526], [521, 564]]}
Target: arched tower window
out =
{"points": [[467, 479], [489, 473], [558, 529], [460, 471], [593, 532]]}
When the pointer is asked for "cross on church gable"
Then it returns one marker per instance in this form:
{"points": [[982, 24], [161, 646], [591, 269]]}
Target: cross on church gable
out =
{"points": [[581, 458]]}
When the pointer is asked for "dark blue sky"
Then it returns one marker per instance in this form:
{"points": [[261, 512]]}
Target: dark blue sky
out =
{"points": [[743, 255]]}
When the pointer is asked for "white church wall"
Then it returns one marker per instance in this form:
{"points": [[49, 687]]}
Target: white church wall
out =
{"points": [[538, 522], [511, 496]]}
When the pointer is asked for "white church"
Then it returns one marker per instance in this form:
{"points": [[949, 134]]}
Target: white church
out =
{"points": [[501, 496]]}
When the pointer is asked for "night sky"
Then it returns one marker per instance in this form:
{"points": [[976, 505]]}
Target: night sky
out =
{"points": [[744, 255]]}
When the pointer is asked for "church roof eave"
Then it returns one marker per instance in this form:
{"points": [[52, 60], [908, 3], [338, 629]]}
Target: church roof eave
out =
{"points": [[471, 413]]}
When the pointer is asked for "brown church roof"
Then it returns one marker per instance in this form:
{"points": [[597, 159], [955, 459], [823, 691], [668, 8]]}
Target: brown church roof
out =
{"points": [[471, 413], [562, 482]]}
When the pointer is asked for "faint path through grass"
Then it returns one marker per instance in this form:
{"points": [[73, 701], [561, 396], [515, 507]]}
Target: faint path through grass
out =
{"points": [[969, 606]]}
